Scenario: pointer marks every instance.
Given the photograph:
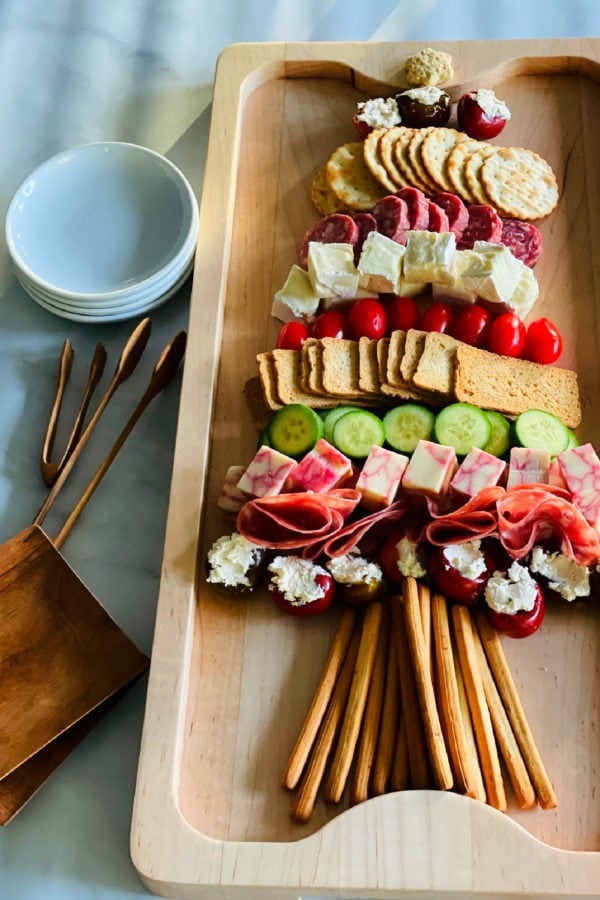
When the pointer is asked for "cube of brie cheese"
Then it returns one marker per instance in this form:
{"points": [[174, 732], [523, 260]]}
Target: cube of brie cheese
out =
{"points": [[430, 256], [331, 269], [455, 292], [380, 263], [296, 299], [525, 294], [493, 272]]}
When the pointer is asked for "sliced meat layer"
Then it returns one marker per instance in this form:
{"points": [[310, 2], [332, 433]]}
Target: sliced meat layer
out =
{"points": [[438, 220], [338, 228], [391, 215], [484, 225], [418, 207], [456, 211], [522, 239]]}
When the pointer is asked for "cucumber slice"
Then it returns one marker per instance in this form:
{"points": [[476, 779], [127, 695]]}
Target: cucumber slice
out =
{"points": [[295, 429], [573, 439], [356, 432], [538, 429], [331, 418], [462, 426], [499, 441], [263, 439], [406, 425]]}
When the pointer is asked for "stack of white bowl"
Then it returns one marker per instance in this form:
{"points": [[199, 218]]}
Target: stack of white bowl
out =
{"points": [[103, 232]]}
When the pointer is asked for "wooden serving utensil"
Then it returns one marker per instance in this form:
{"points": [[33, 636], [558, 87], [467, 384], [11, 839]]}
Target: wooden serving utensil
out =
{"points": [[63, 659]]}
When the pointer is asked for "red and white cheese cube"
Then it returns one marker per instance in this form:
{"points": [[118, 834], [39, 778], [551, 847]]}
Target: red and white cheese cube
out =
{"points": [[555, 475], [267, 473], [528, 465], [477, 471], [580, 467], [231, 499], [430, 469], [321, 470], [380, 477]]}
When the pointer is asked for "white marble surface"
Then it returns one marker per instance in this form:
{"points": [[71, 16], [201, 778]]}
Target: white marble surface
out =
{"points": [[73, 71]]}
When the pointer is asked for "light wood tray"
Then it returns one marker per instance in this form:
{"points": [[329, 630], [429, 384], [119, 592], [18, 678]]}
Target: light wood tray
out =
{"points": [[231, 680]]}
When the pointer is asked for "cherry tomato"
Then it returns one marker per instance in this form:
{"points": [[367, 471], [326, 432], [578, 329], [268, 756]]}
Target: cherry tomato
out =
{"points": [[312, 607], [452, 583], [332, 324], [473, 120], [402, 313], [388, 557], [437, 317], [362, 128], [367, 319], [520, 624], [506, 335], [543, 343], [291, 336], [471, 324]]}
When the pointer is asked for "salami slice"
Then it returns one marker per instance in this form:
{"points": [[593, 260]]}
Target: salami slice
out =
{"points": [[418, 207], [338, 228], [475, 519], [291, 521], [348, 537], [438, 220], [366, 223], [522, 239], [456, 211], [484, 225], [391, 215]]}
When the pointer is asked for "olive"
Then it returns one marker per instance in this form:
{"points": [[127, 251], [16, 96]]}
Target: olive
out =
{"points": [[235, 579], [422, 107], [361, 593]]}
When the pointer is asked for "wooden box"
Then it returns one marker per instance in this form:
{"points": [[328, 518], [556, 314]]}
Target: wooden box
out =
{"points": [[231, 680]]}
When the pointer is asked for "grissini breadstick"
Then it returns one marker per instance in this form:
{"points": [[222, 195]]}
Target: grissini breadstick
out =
{"points": [[400, 777], [468, 727], [388, 730], [425, 609], [418, 757], [304, 802], [372, 719], [508, 692], [509, 748], [323, 694], [447, 691], [482, 723], [340, 767], [421, 662]]}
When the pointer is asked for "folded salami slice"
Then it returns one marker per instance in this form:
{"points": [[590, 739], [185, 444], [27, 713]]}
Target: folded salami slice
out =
{"points": [[366, 223], [456, 211], [522, 239], [475, 519], [347, 538], [438, 220], [391, 215], [484, 225], [418, 207], [338, 228], [291, 521]]}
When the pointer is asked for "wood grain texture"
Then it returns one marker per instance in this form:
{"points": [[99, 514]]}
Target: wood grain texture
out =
{"points": [[231, 680]]}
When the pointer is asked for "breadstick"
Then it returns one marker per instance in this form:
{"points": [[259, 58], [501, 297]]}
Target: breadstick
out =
{"points": [[468, 727], [400, 778], [425, 610], [388, 730], [318, 707], [509, 748], [418, 758], [372, 719], [450, 713], [508, 692], [304, 802], [484, 733], [336, 781], [421, 662]]}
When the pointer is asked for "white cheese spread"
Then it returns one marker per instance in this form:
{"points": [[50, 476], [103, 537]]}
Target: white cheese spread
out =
{"points": [[295, 579], [565, 576], [231, 558], [352, 568], [379, 113], [426, 95], [466, 558], [511, 592], [409, 563], [491, 106]]}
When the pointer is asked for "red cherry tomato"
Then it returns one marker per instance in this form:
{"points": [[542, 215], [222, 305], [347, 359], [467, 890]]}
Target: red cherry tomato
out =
{"points": [[506, 335], [367, 319], [543, 343], [452, 583], [473, 120], [332, 324], [362, 128], [471, 324], [520, 624], [314, 606], [437, 317], [388, 557], [291, 336], [402, 313]]}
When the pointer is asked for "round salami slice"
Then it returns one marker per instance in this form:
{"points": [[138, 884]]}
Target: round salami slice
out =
{"points": [[418, 207], [391, 215], [522, 239], [338, 228], [366, 223], [484, 225], [438, 220], [455, 209]]}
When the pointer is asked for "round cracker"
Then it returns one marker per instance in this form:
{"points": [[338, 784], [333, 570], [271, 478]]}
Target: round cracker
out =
{"points": [[374, 161], [350, 180], [386, 148], [436, 148], [414, 155], [403, 161], [473, 166], [323, 197], [520, 183], [455, 167]]}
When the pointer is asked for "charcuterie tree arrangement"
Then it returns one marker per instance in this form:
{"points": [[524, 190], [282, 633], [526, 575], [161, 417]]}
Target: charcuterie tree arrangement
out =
{"points": [[417, 461]]}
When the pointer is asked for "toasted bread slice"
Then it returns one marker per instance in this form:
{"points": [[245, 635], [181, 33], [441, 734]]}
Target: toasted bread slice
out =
{"points": [[435, 369], [368, 370], [341, 368], [268, 380], [288, 372], [413, 348]]}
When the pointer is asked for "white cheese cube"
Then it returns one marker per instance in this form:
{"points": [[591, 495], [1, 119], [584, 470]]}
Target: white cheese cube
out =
{"points": [[380, 263], [456, 292], [528, 465], [430, 469], [430, 257], [493, 272], [380, 477], [296, 299], [331, 269], [526, 292]]}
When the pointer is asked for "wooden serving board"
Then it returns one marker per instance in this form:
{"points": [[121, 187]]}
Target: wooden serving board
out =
{"points": [[231, 680]]}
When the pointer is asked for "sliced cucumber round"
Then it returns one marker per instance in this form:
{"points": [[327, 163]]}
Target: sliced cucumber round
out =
{"points": [[356, 432], [331, 418], [573, 439], [538, 429], [499, 442], [406, 425], [295, 429], [462, 426]]}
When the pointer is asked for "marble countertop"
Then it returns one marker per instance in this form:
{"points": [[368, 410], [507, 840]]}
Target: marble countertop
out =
{"points": [[74, 71]]}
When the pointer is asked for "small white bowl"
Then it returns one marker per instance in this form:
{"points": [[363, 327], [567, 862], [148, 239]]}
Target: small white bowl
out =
{"points": [[100, 221]]}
